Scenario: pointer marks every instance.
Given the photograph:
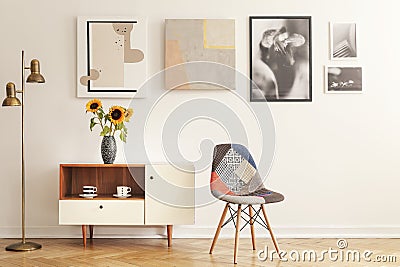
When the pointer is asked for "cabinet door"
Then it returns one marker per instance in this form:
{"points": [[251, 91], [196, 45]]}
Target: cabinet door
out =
{"points": [[169, 195]]}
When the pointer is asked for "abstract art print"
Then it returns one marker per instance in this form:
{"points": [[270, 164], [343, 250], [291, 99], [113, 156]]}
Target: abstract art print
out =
{"points": [[280, 58], [112, 57], [343, 41], [198, 40], [343, 79]]}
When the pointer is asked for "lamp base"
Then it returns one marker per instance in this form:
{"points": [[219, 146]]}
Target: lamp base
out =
{"points": [[23, 246]]}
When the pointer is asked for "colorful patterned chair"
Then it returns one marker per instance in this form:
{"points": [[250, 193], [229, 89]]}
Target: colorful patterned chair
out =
{"points": [[235, 180]]}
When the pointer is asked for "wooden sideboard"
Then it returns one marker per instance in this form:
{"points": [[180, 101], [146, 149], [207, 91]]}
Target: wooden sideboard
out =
{"points": [[161, 195]]}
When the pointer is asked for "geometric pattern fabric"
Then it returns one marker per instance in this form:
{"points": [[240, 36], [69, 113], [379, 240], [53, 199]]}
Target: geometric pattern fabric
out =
{"points": [[234, 165], [234, 173], [226, 170]]}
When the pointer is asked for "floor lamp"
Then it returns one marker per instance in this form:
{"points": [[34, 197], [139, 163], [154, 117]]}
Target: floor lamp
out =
{"points": [[12, 100]]}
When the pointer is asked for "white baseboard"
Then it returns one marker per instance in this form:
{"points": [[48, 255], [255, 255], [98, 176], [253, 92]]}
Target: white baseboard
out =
{"points": [[203, 232]]}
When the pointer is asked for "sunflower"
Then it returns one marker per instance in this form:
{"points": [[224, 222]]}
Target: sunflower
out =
{"points": [[117, 114], [128, 114], [93, 105]]}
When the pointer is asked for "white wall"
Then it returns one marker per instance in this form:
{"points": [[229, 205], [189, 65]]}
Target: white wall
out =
{"points": [[336, 158]]}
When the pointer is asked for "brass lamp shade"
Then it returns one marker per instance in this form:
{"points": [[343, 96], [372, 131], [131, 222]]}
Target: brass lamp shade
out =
{"points": [[35, 76], [11, 99]]}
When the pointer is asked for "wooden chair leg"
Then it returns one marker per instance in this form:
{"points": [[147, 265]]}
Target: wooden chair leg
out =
{"points": [[169, 234], [237, 233], [84, 235], [253, 238], [91, 231], [270, 231], [221, 221]]}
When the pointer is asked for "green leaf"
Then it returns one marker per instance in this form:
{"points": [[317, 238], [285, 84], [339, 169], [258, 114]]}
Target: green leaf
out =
{"points": [[105, 131], [122, 136], [107, 118], [100, 114], [119, 126], [92, 124]]}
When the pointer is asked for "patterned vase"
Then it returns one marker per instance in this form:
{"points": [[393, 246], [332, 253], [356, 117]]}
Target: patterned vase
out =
{"points": [[108, 149]]}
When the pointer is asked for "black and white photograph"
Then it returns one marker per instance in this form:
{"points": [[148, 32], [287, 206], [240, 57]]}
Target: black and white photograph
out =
{"points": [[344, 79], [280, 58], [343, 41]]}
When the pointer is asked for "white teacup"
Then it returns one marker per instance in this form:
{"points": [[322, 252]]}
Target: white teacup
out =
{"points": [[123, 190], [89, 189]]}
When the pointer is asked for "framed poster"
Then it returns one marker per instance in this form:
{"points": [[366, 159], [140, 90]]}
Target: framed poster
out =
{"points": [[343, 79], [280, 58], [111, 56], [343, 41]]}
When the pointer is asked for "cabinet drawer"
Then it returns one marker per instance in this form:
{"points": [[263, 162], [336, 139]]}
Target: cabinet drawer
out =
{"points": [[101, 212]]}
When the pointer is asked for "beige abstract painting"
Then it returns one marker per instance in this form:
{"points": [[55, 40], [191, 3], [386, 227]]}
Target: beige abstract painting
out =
{"points": [[191, 40], [107, 56], [112, 60]]}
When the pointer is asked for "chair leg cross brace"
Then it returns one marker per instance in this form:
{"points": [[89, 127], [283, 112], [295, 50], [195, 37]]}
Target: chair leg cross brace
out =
{"points": [[233, 214], [253, 218], [250, 219]]}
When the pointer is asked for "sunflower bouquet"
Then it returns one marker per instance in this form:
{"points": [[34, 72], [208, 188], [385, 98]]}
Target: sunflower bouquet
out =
{"points": [[110, 122]]}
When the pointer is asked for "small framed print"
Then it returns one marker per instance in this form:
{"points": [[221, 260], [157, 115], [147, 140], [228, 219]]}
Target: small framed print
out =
{"points": [[343, 40], [343, 79]]}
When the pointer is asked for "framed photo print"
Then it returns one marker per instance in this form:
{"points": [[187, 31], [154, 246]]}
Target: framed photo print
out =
{"points": [[343, 41], [111, 56], [343, 79], [280, 58]]}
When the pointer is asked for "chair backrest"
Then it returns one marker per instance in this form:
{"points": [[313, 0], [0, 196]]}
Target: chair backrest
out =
{"points": [[234, 171]]}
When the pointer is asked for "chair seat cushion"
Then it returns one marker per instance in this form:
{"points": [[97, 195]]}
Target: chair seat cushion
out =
{"points": [[268, 195], [261, 196]]}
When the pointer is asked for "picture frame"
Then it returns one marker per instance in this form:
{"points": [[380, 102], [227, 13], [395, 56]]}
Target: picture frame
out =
{"points": [[280, 58], [344, 79], [343, 40], [111, 57]]}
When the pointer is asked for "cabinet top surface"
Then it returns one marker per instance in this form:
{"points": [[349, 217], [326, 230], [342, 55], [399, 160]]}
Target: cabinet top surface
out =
{"points": [[95, 165]]}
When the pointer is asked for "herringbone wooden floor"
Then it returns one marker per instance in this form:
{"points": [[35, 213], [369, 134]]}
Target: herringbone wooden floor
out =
{"points": [[186, 252]]}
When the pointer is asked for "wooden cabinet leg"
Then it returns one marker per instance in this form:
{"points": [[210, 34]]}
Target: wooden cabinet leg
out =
{"points": [[84, 235], [91, 231], [169, 234]]}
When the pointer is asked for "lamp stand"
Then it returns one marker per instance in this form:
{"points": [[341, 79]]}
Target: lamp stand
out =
{"points": [[23, 245]]}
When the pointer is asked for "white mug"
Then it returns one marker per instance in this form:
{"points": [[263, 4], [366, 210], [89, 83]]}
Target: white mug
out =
{"points": [[123, 190], [89, 189]]}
